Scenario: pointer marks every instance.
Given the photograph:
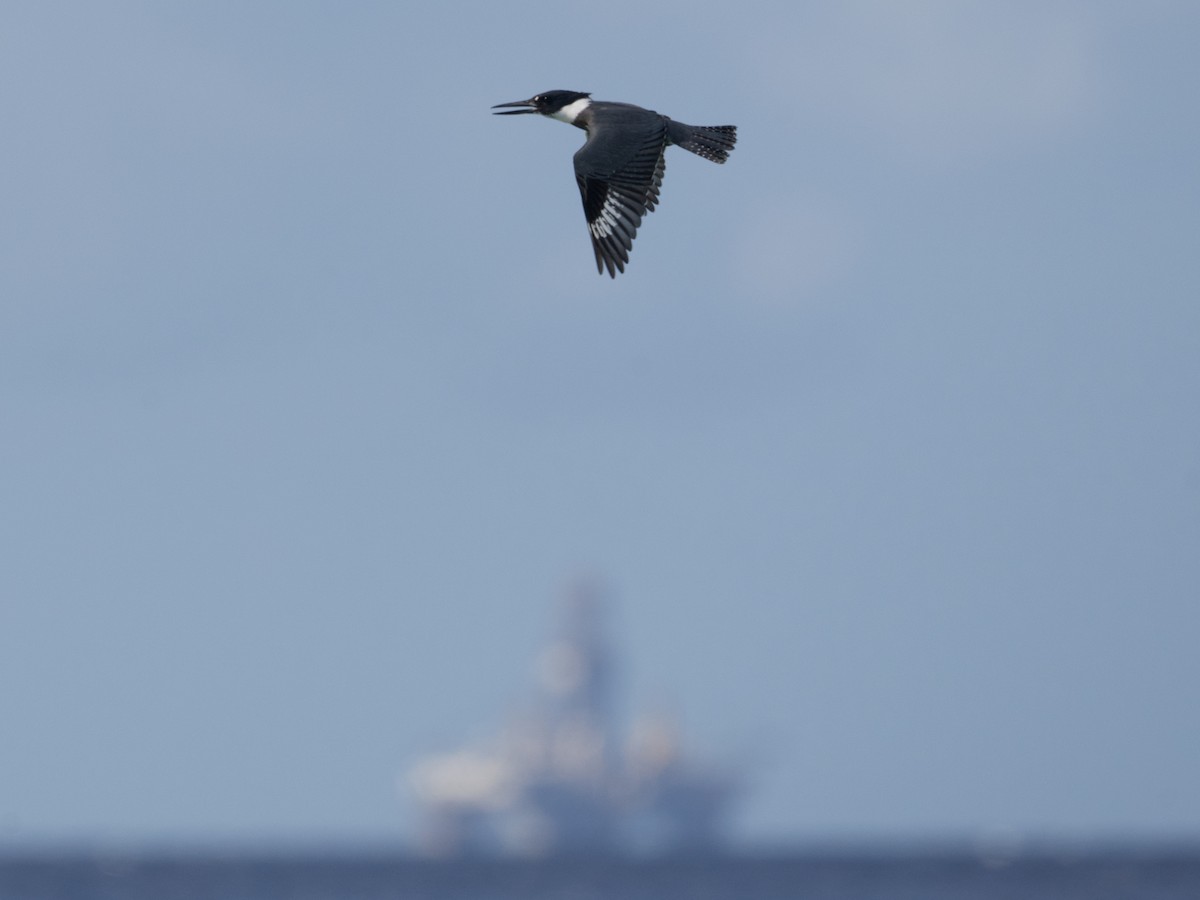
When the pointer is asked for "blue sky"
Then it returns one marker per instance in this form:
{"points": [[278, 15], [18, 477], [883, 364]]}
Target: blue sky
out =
{"points": [[886, 443]]}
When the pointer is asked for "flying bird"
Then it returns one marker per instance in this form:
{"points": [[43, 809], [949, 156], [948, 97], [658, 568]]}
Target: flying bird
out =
{"points": [[620, 167]]}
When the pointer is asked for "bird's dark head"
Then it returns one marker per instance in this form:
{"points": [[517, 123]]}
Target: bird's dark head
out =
{"points": [[565, 105]]}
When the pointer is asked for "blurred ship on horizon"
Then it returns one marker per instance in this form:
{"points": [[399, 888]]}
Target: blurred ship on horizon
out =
{"points": [[558, 781]]}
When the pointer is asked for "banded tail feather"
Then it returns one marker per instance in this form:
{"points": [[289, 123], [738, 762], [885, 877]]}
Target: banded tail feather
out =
{"points": [[713, 142]]}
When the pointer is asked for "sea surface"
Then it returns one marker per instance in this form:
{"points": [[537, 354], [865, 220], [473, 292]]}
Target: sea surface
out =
{"points": [[1144, 874]]}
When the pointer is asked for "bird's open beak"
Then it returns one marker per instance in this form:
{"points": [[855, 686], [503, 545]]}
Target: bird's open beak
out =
{"points": [[526, 106]]}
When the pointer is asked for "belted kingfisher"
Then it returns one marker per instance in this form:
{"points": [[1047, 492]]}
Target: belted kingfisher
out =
{"points": [[620, 167]]}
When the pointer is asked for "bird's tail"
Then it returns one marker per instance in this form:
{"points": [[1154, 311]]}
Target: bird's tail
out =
{"points": [[710, 141]]}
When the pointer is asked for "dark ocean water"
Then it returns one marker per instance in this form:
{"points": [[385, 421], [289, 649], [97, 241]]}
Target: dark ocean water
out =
{"points": [[1131, 875]]}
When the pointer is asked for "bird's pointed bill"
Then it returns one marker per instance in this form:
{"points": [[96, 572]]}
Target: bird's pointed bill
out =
{"points": [[526, 106]]}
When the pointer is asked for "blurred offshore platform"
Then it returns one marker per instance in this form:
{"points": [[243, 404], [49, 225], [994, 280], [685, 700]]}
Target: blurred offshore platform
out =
{"points": [[558, 781]]}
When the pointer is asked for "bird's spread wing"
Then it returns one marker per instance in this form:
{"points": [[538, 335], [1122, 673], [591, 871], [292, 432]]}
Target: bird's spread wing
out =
{"points": [[617, 191]]}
